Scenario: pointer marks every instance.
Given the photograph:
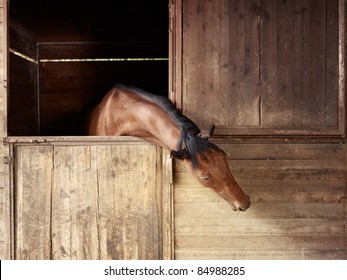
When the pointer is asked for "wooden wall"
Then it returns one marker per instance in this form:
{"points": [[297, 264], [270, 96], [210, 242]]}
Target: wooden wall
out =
{"points": [[3, 123], [298, 211], [104, 200], [298, 191], [274, 70], [263, 67]]}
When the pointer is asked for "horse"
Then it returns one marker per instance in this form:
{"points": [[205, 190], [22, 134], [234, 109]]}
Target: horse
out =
{"points": [[127, 110]]}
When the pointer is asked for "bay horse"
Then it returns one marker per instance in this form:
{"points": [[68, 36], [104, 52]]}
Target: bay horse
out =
{"points": [[130, 111]]}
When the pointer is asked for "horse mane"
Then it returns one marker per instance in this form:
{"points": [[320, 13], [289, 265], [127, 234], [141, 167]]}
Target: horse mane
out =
{"points": [[190, 143]]}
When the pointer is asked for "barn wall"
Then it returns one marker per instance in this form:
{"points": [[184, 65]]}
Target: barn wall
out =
{"points": [[266, 69], [90, 201], [274, 64], [298, 211]]}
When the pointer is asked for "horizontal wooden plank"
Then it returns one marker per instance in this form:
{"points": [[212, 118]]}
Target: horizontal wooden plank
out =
{"points": [[224, 226], [285, 151], [250, 178], [227, 254], [221, 210], [298, 195], [75, 140], [282, 165], [280, 193], [261, 242], [288, 165]]}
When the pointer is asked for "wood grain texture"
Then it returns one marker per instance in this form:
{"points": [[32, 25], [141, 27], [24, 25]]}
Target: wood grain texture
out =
{"points": [[298, 210], [4, 168], [274, 69], [90, 202]]}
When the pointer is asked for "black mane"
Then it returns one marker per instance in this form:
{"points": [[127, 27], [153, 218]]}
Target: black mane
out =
{"points": [[189, 144]]}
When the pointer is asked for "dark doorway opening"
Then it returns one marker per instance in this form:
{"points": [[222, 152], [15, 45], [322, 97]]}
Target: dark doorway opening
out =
{"points": [[64, 53]]}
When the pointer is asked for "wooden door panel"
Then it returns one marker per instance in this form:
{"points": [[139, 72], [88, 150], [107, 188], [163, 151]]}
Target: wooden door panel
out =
{"points": [[90, 202], [264, 67]]}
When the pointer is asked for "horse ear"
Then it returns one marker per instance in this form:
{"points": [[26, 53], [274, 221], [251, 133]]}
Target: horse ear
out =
{"points": [[206, 134], [178, 154]]}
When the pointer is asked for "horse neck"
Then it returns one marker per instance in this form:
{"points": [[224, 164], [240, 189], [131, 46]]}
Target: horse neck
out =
{"points": [[144, 119], [160, 129]]}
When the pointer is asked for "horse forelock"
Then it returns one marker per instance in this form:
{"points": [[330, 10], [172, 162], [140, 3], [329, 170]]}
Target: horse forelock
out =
{"points": [[192, 145]]}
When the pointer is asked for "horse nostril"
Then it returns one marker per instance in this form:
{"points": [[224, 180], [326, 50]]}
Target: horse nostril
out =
{"points": [[241, 209]]}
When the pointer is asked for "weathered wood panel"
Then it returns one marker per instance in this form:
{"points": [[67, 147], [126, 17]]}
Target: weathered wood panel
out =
{"points": [[298, 210], [3, 123], [90, 202], [273, 69]]}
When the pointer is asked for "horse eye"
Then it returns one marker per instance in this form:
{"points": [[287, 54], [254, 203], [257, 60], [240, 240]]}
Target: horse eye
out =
{"points": [[205, 178]]}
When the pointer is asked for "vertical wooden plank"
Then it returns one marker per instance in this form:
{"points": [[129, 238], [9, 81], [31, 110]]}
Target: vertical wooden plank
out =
{"points": [[62, 228], [306, 64], [33, 200], [129, 202], [236, 56], [332, 63], [269, 53], [216, 52], [342, 78], [223, 112], [190, 58], [74, 217], [149, 191], [6, 242], [237, 53], [131, 195], [63, 231], [299, 12], [175, 52], [100, 159], [317, 62], [204, 41], [85, 207], [248, 98], [282, 105], [168, 207]]}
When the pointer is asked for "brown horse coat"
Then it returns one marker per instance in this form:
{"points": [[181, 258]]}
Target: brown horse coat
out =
{"points": [[134, 112]]}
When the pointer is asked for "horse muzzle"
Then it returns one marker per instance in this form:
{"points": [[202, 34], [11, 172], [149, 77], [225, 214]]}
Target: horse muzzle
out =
{"points": [[242, 205]]}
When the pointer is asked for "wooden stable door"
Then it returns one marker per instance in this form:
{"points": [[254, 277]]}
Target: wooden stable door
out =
{"points": [[90, 201], [262, 67]]}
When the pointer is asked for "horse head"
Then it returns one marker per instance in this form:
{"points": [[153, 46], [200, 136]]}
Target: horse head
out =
{"points": [[210, 167]]}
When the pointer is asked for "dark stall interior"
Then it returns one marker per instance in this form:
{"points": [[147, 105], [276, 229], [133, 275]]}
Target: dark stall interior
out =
{"points": [[64, 53]]}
